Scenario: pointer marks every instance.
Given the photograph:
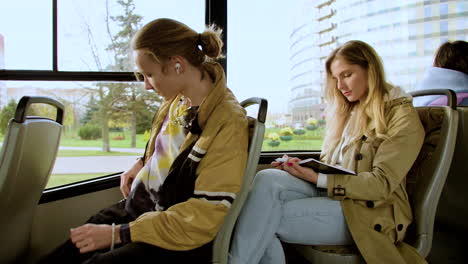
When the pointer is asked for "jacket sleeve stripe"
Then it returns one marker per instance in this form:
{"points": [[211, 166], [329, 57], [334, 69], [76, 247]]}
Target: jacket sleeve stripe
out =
{"points": [[199, 150], [214, 198], [196, 154], [192, 157], [223, 202], [215, 194]]}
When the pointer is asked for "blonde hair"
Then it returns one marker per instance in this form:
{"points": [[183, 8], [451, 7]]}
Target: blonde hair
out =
{"points": [[368, 114], [163, 38]]}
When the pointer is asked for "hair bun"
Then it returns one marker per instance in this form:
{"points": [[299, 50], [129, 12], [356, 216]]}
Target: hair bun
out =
{"points": [[211, 42]]}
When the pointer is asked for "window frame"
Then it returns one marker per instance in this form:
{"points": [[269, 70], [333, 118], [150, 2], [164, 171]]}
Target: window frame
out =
{"points": [[215, 12]]}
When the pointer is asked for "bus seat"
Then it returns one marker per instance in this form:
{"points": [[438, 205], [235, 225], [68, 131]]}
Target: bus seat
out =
{"points": [[222, 241], [454, 195], [26, 161], [425, 182]]}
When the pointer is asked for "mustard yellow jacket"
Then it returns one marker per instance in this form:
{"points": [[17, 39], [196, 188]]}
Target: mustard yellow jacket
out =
{"points": [[223, 145], [375, 202]]}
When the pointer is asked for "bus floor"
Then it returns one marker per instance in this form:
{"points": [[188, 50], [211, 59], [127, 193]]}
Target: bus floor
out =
{"points": [[448, 245]]}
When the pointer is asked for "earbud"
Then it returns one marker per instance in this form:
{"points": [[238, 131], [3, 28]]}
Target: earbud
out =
{"points": [[177, 67]]}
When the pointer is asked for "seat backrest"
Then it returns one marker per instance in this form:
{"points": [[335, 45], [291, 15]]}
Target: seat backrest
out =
{"points": [[424, 182], [26, 161], [426, 178], [222, 241], [454, 195]]}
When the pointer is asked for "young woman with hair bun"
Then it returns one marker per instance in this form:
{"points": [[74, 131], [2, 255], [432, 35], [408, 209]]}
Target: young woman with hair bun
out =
{"points": [[177, 195]]}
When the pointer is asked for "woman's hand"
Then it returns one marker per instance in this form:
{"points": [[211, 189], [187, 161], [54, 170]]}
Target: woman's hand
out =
{"points": [[126, 179], [278, 165], [91, 237], [307, 174]]}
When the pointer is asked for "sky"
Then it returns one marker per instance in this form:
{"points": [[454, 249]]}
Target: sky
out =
{"points": [[257, 48]]}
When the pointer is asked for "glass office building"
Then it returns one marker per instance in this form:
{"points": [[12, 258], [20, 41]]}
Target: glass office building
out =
{"points": [[406, 34]]}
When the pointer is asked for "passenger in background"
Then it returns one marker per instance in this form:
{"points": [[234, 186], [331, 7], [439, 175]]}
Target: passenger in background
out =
{"points": [[178, 194], [449, 71], [373, 129]]}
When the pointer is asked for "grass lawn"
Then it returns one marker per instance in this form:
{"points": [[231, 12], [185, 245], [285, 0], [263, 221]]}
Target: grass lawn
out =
{"points": [[71, 139], [85, 153], [295, 144], [62, 179], [310, 141]]}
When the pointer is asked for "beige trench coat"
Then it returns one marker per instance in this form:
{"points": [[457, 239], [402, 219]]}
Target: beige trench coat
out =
{"points": [[375, 202]]}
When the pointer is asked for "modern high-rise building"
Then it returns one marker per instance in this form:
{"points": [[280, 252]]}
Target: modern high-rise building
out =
{"points": [[3, 92], [2, 52], [405, 33], [310, 42]]}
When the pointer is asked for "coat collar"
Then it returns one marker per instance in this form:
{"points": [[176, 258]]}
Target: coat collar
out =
{"points": [[396, 92], [388, 106], [398, 101]]}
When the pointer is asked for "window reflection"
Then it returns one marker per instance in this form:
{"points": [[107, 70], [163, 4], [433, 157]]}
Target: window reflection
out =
{"points": [[405, 33]]}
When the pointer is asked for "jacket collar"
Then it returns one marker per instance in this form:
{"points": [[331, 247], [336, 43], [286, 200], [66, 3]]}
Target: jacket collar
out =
{"points": [[215, 96]]}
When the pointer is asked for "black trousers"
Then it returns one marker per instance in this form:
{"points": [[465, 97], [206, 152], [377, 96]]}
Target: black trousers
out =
{"points": [[128, 253]]}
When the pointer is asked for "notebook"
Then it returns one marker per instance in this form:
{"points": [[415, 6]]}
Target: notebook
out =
{"points": [[321, 167]]}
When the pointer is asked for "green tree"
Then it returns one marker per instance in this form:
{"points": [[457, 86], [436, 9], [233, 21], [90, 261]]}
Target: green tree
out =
{"points": [[44, 110], [120, 101], [145, 118], [91, 111], [108, 94], [7, 113], [136, 105], [69, 116]]}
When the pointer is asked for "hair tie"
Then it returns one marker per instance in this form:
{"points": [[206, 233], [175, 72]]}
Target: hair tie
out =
{"points": [[113, 237]]}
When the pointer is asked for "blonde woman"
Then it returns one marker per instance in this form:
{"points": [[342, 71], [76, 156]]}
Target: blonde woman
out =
{"points": [[178, 194], [373, 129]]}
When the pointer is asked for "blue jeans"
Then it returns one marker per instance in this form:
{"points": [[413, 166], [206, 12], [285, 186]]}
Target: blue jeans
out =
{"points": [[281, 207]]}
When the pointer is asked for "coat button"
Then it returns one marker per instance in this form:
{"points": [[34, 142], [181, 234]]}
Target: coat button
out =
{"points": [[370, 204], [400, 227], [359, 156], [339, 191], [378, 227]]}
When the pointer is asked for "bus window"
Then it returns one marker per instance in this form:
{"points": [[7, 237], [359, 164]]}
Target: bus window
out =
{"points": [[277, 50], [26, 45], [107, 113]]}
